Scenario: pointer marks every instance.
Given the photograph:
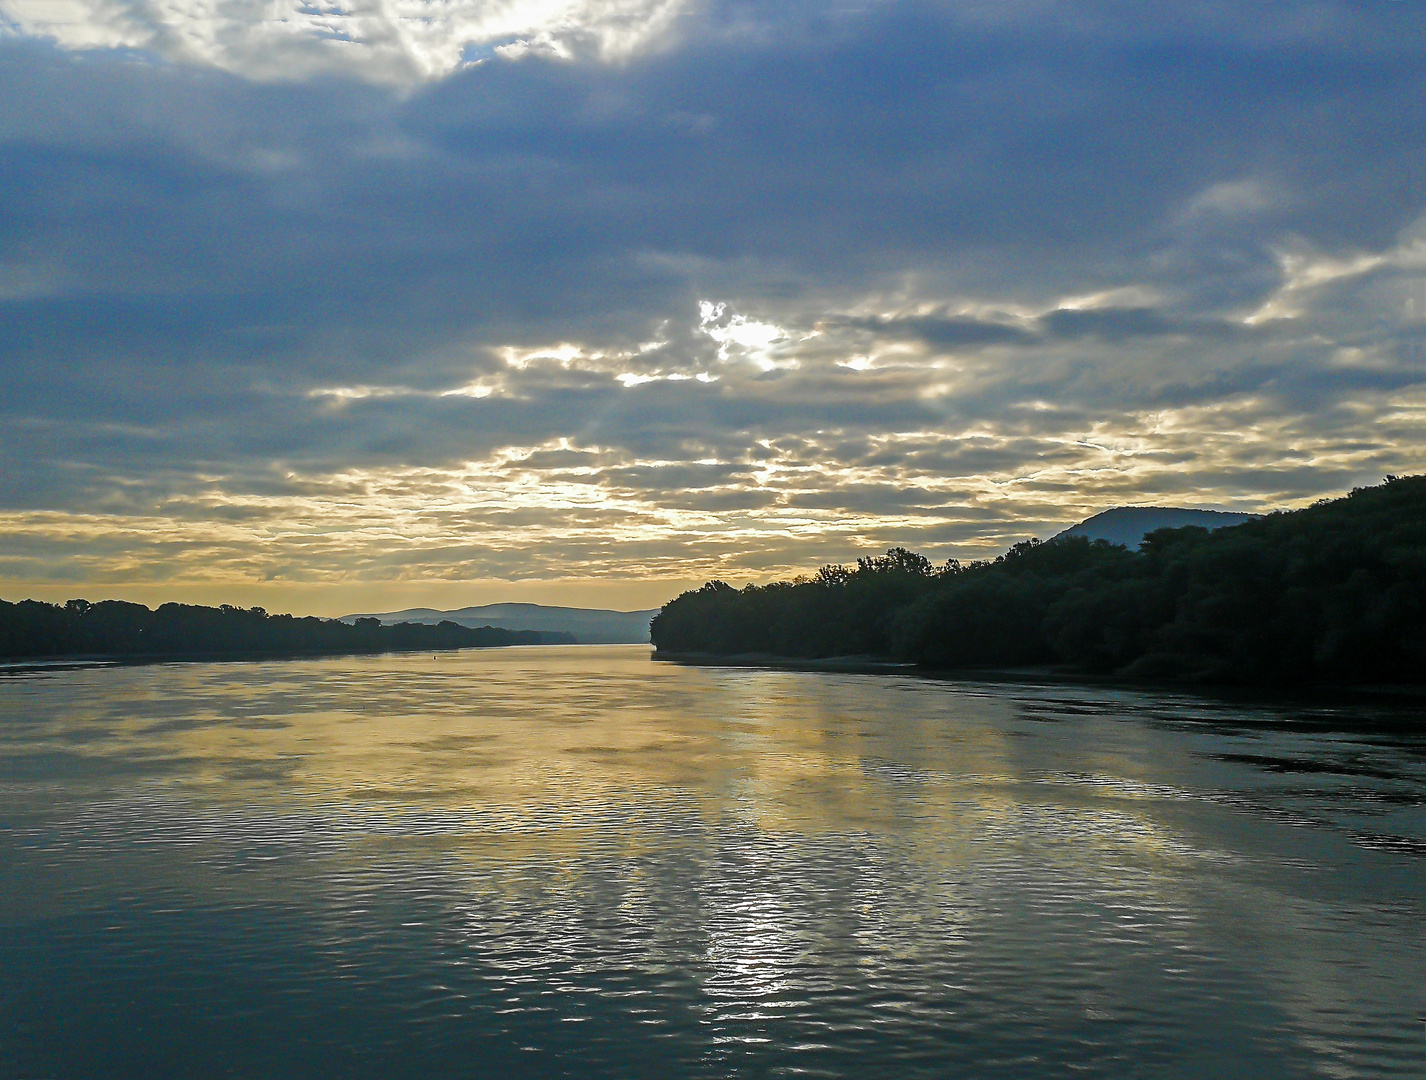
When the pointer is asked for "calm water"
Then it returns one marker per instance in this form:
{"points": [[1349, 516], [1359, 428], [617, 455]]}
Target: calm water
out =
{"points": [[576, 862]]}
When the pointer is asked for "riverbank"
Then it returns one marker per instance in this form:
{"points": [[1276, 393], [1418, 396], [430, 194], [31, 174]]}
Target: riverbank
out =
{"points": [[1328, 594], [1345, 694], [17, 665], [861, 665]]}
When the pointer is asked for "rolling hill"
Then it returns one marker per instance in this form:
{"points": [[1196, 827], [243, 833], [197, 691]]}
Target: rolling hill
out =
{"points": [[1128, 525], [589, 626]]}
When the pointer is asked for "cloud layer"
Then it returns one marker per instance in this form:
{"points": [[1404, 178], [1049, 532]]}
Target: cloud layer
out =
{"points": [[670, 292], [383, 41]]}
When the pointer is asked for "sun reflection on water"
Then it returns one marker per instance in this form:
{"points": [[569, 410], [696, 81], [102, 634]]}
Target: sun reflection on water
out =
{"points": [[748, 868]]}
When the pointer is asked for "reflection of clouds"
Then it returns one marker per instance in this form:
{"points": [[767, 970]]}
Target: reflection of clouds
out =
{"points": [[765, 859]]}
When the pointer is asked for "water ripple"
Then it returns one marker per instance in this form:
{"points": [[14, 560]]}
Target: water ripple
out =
{"points": [[576, 863]]}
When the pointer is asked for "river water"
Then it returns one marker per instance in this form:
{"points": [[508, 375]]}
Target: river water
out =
{"points": [[578, 862]]}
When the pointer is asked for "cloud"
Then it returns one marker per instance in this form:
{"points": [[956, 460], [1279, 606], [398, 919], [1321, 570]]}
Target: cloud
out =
{"points": [[742, 289], [399, 41]]}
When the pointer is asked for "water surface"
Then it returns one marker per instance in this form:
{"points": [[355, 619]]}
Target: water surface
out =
{"points": [[578, 862]]}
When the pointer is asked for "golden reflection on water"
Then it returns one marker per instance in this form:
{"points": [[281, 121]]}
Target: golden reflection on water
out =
{"points": [[498, 755], [787, 835], [538, 748]]}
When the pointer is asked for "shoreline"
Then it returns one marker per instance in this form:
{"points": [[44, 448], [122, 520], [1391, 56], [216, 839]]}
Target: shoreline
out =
{"points": [[25, 664], [856, 665], [1045, 675], [1062, 675]]}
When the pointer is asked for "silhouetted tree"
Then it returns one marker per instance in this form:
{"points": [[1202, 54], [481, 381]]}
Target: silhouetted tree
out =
{"points": [[118, 628], [1334, 591]]}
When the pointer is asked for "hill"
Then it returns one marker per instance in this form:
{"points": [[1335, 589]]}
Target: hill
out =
{"points": [[1333, 592], [1128, 525], [588, 626]]}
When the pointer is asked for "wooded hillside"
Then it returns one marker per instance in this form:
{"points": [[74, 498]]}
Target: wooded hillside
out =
{"points": [[1333, 592]]}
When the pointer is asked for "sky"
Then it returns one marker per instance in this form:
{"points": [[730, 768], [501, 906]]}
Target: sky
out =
{"points": [[337, 306]]}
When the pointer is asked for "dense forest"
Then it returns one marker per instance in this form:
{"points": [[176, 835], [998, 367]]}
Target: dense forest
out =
{"points": [[1333, 592], [33, 629]]}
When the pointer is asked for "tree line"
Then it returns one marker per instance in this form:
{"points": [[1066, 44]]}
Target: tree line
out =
{"points": [[32, 629], [1333, 592]]}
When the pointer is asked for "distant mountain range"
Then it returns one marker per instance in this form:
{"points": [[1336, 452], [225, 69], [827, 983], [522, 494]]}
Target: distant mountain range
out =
{"points": [[1128, 525], [588, 626]]}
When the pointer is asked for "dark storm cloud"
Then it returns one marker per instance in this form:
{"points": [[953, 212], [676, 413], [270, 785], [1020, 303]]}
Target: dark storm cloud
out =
{"points": [[346, 229]]}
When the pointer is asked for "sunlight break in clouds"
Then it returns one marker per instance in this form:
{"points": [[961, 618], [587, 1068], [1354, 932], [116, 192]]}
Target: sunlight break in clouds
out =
{"points": [[388, 41], [354, 306], [762, 343]]}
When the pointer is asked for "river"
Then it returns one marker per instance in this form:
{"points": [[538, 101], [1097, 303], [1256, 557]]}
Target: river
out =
{"points": [[579, 862]]}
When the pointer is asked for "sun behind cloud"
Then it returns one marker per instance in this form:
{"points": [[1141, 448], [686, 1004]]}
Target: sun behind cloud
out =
{"points": [[351, 308]]}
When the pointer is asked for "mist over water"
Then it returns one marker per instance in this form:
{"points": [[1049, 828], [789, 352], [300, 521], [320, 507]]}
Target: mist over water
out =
{"points": [[578, 862]]}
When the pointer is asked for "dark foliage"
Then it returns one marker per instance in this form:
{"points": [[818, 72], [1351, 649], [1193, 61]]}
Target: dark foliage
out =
{"points": [[1334, 592], [116, 628]]}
